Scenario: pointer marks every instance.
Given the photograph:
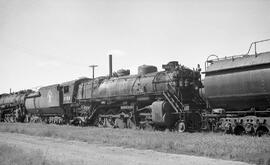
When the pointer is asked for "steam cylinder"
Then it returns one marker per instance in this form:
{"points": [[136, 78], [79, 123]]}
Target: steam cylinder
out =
{"points": [[162, 114]]}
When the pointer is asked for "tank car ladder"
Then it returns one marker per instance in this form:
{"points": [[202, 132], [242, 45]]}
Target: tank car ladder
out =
{"points": [[177, 105]]}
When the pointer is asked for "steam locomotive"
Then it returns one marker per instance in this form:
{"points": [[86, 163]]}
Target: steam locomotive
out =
{"points": [[234, 97], [150, 100]]}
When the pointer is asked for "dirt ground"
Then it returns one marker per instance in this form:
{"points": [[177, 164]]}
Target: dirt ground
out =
{"points": [[95, 154]]}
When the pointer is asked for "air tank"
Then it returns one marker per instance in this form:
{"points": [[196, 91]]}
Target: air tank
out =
{"points": [[239, 82]]}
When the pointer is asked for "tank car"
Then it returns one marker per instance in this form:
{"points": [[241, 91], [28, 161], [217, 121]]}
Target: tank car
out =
{"points": [[238, 88], [151, 99]]}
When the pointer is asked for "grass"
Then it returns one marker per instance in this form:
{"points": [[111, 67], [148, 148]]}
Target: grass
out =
{"points": [[243, 148], [10, 155]]}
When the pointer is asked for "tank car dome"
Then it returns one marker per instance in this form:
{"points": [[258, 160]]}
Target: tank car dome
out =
{"points": [[145, 69]]}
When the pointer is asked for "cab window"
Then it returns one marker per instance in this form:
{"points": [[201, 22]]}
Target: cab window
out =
{"points": [[66, 89]]}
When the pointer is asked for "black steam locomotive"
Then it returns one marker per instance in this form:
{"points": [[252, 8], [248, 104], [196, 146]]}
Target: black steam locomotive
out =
{"points": [[151, 100], [233, 97]]}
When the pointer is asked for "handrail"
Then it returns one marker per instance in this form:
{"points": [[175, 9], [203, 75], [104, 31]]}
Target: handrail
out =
{"points": [[207, 60], [255, 45], [236, 56], [171, 103]]}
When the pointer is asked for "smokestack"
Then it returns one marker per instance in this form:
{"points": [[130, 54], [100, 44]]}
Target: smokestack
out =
{"points": [[9, 90], [110, 65]]}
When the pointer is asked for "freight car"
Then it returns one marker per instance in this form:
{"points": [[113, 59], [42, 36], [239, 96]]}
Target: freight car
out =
{"points": [[237, 89]]}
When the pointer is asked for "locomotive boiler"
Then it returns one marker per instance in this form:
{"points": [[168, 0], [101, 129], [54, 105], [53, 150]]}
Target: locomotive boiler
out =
{"points": [[239, 86]]}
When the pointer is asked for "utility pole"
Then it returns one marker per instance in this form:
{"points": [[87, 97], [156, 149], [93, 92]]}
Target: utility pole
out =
{"points": [[93, 76], [93, 70]]}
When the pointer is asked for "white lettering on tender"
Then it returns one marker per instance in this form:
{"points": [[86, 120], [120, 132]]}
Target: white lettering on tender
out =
{"points": [[49, 96]]}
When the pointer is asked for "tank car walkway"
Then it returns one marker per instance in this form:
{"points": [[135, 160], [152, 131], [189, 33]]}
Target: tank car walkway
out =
{"points": [[95, 154]]}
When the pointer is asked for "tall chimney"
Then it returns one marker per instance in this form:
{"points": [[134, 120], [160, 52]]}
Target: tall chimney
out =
{"points": [[110, 65]]}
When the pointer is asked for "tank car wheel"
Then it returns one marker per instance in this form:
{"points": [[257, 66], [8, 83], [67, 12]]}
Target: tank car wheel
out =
{"points": [[181, 127], [260, 133], [239, 130]]}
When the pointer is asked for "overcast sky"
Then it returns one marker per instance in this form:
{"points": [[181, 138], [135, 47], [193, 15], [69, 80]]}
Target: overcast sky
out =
{"points": [[44, 42]]}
